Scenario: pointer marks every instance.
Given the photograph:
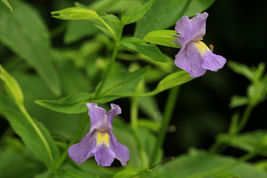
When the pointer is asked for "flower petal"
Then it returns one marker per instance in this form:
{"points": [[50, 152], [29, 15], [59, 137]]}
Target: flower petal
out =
{"points": [[121, 151], [191, 29], [115, 110], [212, 61], [190, 60], [104, 156], [96, 113], [80, 152]]}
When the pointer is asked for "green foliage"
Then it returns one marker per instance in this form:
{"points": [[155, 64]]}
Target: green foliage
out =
{"points": [[75, 13], [144, 48], [162, 37], [136, 13], [255, 142], [12, 86], [7, 5], [164, 13], [201, 164], [128, 173], [24, 32]]}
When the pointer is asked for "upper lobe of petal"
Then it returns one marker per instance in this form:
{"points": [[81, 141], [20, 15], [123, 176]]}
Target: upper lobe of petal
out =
{"points": [[96, 113], [191, 29], [115, 110]]}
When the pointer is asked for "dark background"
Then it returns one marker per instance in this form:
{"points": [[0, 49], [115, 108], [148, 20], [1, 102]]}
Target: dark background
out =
{"points": [[237, 29]]}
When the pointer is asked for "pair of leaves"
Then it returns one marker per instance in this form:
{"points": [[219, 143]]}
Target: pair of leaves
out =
{"points": [[24, 32], [117, 86]]}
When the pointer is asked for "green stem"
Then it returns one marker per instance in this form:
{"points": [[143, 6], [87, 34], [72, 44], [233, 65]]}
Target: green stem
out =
{"points": [[245, 117], [134, 125], [38, 131], [113, 57], [165, 123], [218, 147], [74, 139], [225, 167]]}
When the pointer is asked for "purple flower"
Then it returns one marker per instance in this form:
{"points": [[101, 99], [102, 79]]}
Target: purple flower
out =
{"points": [[100, 141], [194, 56]]}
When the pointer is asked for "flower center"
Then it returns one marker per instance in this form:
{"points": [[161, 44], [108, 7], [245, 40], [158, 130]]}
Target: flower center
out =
{"points": [[202, 47], [102, 137]]}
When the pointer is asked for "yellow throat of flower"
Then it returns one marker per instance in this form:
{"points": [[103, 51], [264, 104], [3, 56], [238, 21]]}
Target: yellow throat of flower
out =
{"points": [[202, 47], [102, 138]]}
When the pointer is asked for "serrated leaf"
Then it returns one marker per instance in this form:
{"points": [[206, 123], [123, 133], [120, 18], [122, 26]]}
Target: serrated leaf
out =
{"points": [[136, 13], [165, 13], [25, 33], [237, 101], [149, 50], [162, 37]]}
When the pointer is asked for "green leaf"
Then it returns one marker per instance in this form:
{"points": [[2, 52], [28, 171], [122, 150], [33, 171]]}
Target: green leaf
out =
{"points": [[200, 163], [12, 86], [136, 13], [133, 172], [149, 50], [75, 13], [27, 132], [172, 80], [165, 13], [227, 175], [242, 69], [162, 37], [7, 5], [108, 23], [151, 125], [16, 156], [77, 30], [24, 32], [251, 142], [237, 101], [123, 84]]}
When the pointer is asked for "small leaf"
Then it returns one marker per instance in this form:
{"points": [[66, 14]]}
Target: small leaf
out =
{"points": [[7, 4], [172, 80], [149, 50], [136, 13], [242, 69], [12, 86], [162, 37], [132, 172], [251, 142], [151, 125], [237, 101], [75, 13]]}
